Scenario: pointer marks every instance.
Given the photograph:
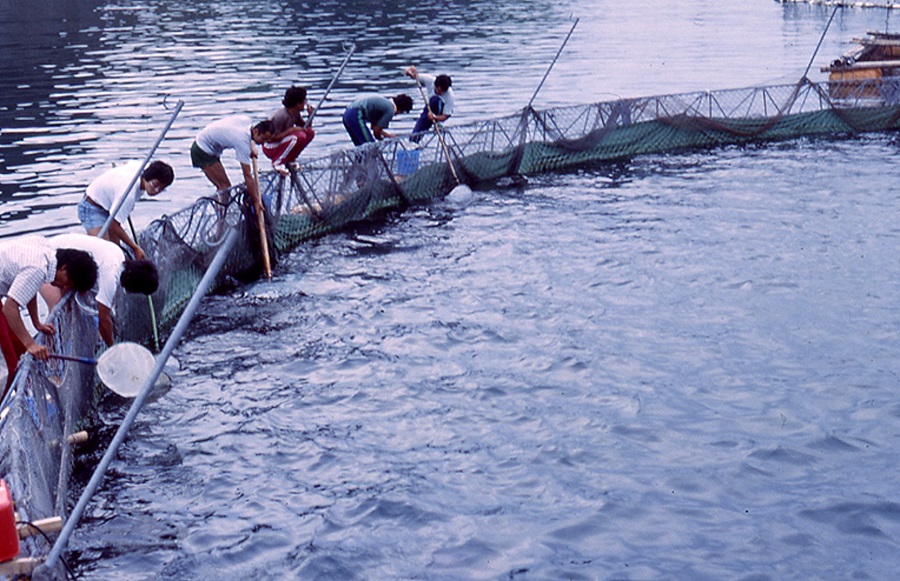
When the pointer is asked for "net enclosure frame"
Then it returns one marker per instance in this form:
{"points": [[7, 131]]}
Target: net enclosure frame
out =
{"points": [[49, 401]]}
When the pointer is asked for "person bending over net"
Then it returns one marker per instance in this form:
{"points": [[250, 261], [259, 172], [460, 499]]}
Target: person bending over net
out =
{"points": [[291, 134]]}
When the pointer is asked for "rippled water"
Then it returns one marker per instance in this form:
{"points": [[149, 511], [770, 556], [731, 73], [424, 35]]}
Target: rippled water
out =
{"points": [[676, 366]]}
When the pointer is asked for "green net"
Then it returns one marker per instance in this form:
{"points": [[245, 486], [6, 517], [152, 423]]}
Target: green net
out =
{"points": [[330, 192]]}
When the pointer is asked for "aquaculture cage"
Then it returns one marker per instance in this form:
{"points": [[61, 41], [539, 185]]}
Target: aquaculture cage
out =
{"points": [[325, 194], [329, 192]]}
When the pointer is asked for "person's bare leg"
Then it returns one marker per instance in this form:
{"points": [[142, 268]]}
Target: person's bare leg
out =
{"points": [[215, 172]]}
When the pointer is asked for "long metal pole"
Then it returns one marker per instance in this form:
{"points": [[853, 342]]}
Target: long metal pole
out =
{"points": [[559, 52], [330, 85], [138, 402], [821, 38], [120, 201]]}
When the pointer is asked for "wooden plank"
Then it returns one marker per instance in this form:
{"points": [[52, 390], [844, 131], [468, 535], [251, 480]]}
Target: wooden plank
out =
{"points": [[862, 67], [46, 525], [23, 566]]}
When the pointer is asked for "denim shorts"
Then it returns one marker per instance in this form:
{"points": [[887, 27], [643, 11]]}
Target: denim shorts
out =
{"points": [[91, 216]]}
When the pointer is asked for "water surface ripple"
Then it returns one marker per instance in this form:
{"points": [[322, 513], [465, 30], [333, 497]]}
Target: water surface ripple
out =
{"points": [[675, 366]]}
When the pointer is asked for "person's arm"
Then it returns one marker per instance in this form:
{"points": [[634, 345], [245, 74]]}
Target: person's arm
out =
{"points": [[50, 294], [17, 326], [106, 324], [117, 234], [380, 133], [250, 181], [45, 328], [281, 135]]}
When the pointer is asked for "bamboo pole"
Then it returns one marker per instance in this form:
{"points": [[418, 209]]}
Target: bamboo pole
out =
{"points": [[438, 131], [52, 524], [261, 222]]}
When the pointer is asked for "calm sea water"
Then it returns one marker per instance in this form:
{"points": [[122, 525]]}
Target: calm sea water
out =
{"points": [[675, 366]]}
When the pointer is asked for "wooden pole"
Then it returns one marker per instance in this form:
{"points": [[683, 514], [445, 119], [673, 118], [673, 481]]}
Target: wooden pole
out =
{"points": [[261, 220], [23, 566]]}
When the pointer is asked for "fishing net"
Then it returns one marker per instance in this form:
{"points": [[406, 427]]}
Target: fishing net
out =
{"points": [[46, 404], [328, 193]]}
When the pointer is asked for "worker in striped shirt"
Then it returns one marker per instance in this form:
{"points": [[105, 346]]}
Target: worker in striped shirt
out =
{"points": [[25, 264]]}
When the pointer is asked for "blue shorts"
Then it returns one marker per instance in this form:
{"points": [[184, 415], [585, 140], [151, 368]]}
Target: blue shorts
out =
{"points": [[91, 216], [355, 124]]}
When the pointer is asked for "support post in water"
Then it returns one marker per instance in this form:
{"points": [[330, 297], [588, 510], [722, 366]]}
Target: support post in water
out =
{"points": [[331, 84], [137, 404], [821, 38], [550, 68]]}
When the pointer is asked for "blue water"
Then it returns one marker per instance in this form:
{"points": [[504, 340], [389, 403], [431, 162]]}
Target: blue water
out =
{"points": [[674, 366]]}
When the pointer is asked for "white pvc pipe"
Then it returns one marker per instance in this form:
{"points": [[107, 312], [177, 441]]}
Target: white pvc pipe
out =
{"points": [[137, 404]]}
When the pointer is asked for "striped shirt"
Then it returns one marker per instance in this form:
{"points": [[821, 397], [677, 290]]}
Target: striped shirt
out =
{"points": [[25, 264]]}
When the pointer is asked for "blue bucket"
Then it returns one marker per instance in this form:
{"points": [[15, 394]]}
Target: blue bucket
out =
{"points": [[407, 161]]}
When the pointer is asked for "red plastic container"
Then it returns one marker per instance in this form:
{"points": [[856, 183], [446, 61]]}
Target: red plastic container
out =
{"points": [[9, 536]]}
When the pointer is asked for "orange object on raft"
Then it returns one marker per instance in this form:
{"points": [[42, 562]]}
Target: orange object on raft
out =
{"points": [[9, 536]]}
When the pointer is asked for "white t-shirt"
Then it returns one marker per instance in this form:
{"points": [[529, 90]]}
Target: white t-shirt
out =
{"points": [[109, 258], [110, 186], [448, 98], [228, 133], [25, 264]]}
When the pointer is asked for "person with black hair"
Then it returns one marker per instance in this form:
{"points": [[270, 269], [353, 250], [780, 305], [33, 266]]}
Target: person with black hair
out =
{"points": [[104, 193], [291, 133], [234, 132], [440, 103], [25, 264], [114, 270], [377, 111]]}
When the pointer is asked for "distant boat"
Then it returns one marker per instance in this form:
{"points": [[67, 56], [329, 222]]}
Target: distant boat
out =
{"points": [[869, 70], [889, 4]]}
